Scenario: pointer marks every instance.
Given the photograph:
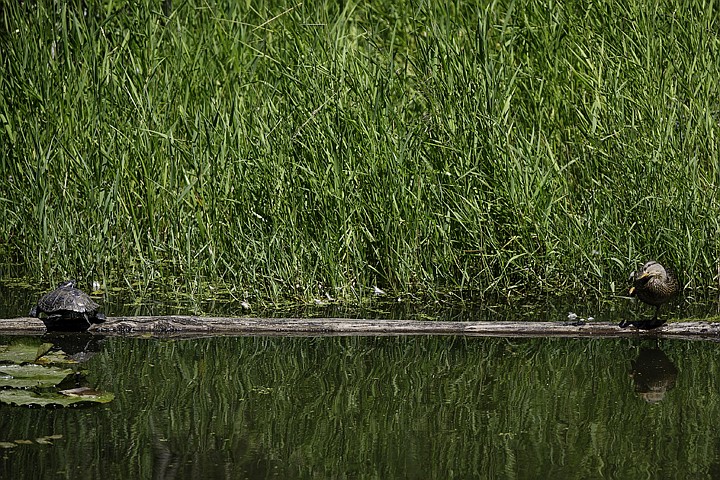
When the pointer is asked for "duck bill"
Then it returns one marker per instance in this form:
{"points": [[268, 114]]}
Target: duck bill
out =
{"points": [[640, 279], [642, 275]]}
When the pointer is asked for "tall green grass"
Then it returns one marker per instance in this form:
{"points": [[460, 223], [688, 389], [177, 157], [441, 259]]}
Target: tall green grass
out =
{"points": [[293, 149]]}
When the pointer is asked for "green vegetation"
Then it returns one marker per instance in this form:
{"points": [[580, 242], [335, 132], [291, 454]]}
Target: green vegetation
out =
{"points": [[293, 149], [31, 375], [384, 407]]}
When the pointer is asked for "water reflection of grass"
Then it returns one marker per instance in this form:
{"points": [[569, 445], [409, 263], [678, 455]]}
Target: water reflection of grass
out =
{"points": [[429, 407], [296, 150]]}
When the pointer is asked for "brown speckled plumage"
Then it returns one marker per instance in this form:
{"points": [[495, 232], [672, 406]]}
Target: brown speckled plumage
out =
{"points": [[654, 285]]}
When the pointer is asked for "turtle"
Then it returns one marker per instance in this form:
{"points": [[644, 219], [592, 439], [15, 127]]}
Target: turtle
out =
{"points": [[654, 285], [67, 302]]}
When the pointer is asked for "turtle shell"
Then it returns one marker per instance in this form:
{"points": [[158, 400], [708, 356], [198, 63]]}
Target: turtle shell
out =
{"points": [[68, 302]]}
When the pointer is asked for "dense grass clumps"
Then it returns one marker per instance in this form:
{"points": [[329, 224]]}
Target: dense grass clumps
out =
{"points": [[297, 149]]}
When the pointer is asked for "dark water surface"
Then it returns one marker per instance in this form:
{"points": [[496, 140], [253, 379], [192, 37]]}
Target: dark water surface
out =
{"points": [[381, 407]]}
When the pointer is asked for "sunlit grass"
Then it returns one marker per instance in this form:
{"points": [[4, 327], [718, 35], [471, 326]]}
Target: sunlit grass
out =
{"points": [[289, 150]]}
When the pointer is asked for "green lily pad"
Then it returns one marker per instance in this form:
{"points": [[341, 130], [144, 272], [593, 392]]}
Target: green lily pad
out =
{"points": [[28, 376], [57, 357], [23, 351], [28, 398]]}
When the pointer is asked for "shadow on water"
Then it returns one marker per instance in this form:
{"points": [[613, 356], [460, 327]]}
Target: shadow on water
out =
{"points": [[389, 407], [78, 346]]}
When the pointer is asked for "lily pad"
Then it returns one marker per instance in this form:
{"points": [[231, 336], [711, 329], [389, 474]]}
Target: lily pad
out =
{"points": [[57, 357], [28, 376], [28, 398], [22, 352]]}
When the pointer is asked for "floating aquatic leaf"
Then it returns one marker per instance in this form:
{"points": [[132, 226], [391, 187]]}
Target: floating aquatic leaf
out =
{"points": [[57, 357], [27, 376], [23, 351], [43, 349], [28, 397]]}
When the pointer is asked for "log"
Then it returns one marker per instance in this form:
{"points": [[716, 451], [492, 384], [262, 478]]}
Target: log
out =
{"points": [[192, 326]]}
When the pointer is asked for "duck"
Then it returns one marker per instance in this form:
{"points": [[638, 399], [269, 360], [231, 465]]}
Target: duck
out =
{"points": [[654, 285]]}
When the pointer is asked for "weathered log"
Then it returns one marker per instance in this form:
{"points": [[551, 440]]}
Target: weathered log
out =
{"points": [[191, 326], [22, 325]]}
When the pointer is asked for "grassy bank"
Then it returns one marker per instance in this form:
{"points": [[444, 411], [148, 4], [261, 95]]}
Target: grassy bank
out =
{"points": [[293, 149]]}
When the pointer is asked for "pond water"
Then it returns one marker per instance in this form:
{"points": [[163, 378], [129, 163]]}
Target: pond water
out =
{"points": [[378, 407]]}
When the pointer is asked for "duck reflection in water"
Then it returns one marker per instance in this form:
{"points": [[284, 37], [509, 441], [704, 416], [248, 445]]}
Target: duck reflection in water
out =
{"points": [[653, 374]]}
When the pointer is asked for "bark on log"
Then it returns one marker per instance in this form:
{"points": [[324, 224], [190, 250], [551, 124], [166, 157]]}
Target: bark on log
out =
{"points": [[191, 326]]}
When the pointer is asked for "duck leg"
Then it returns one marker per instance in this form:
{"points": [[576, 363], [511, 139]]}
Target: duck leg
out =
{"points": [[654, 322]]}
